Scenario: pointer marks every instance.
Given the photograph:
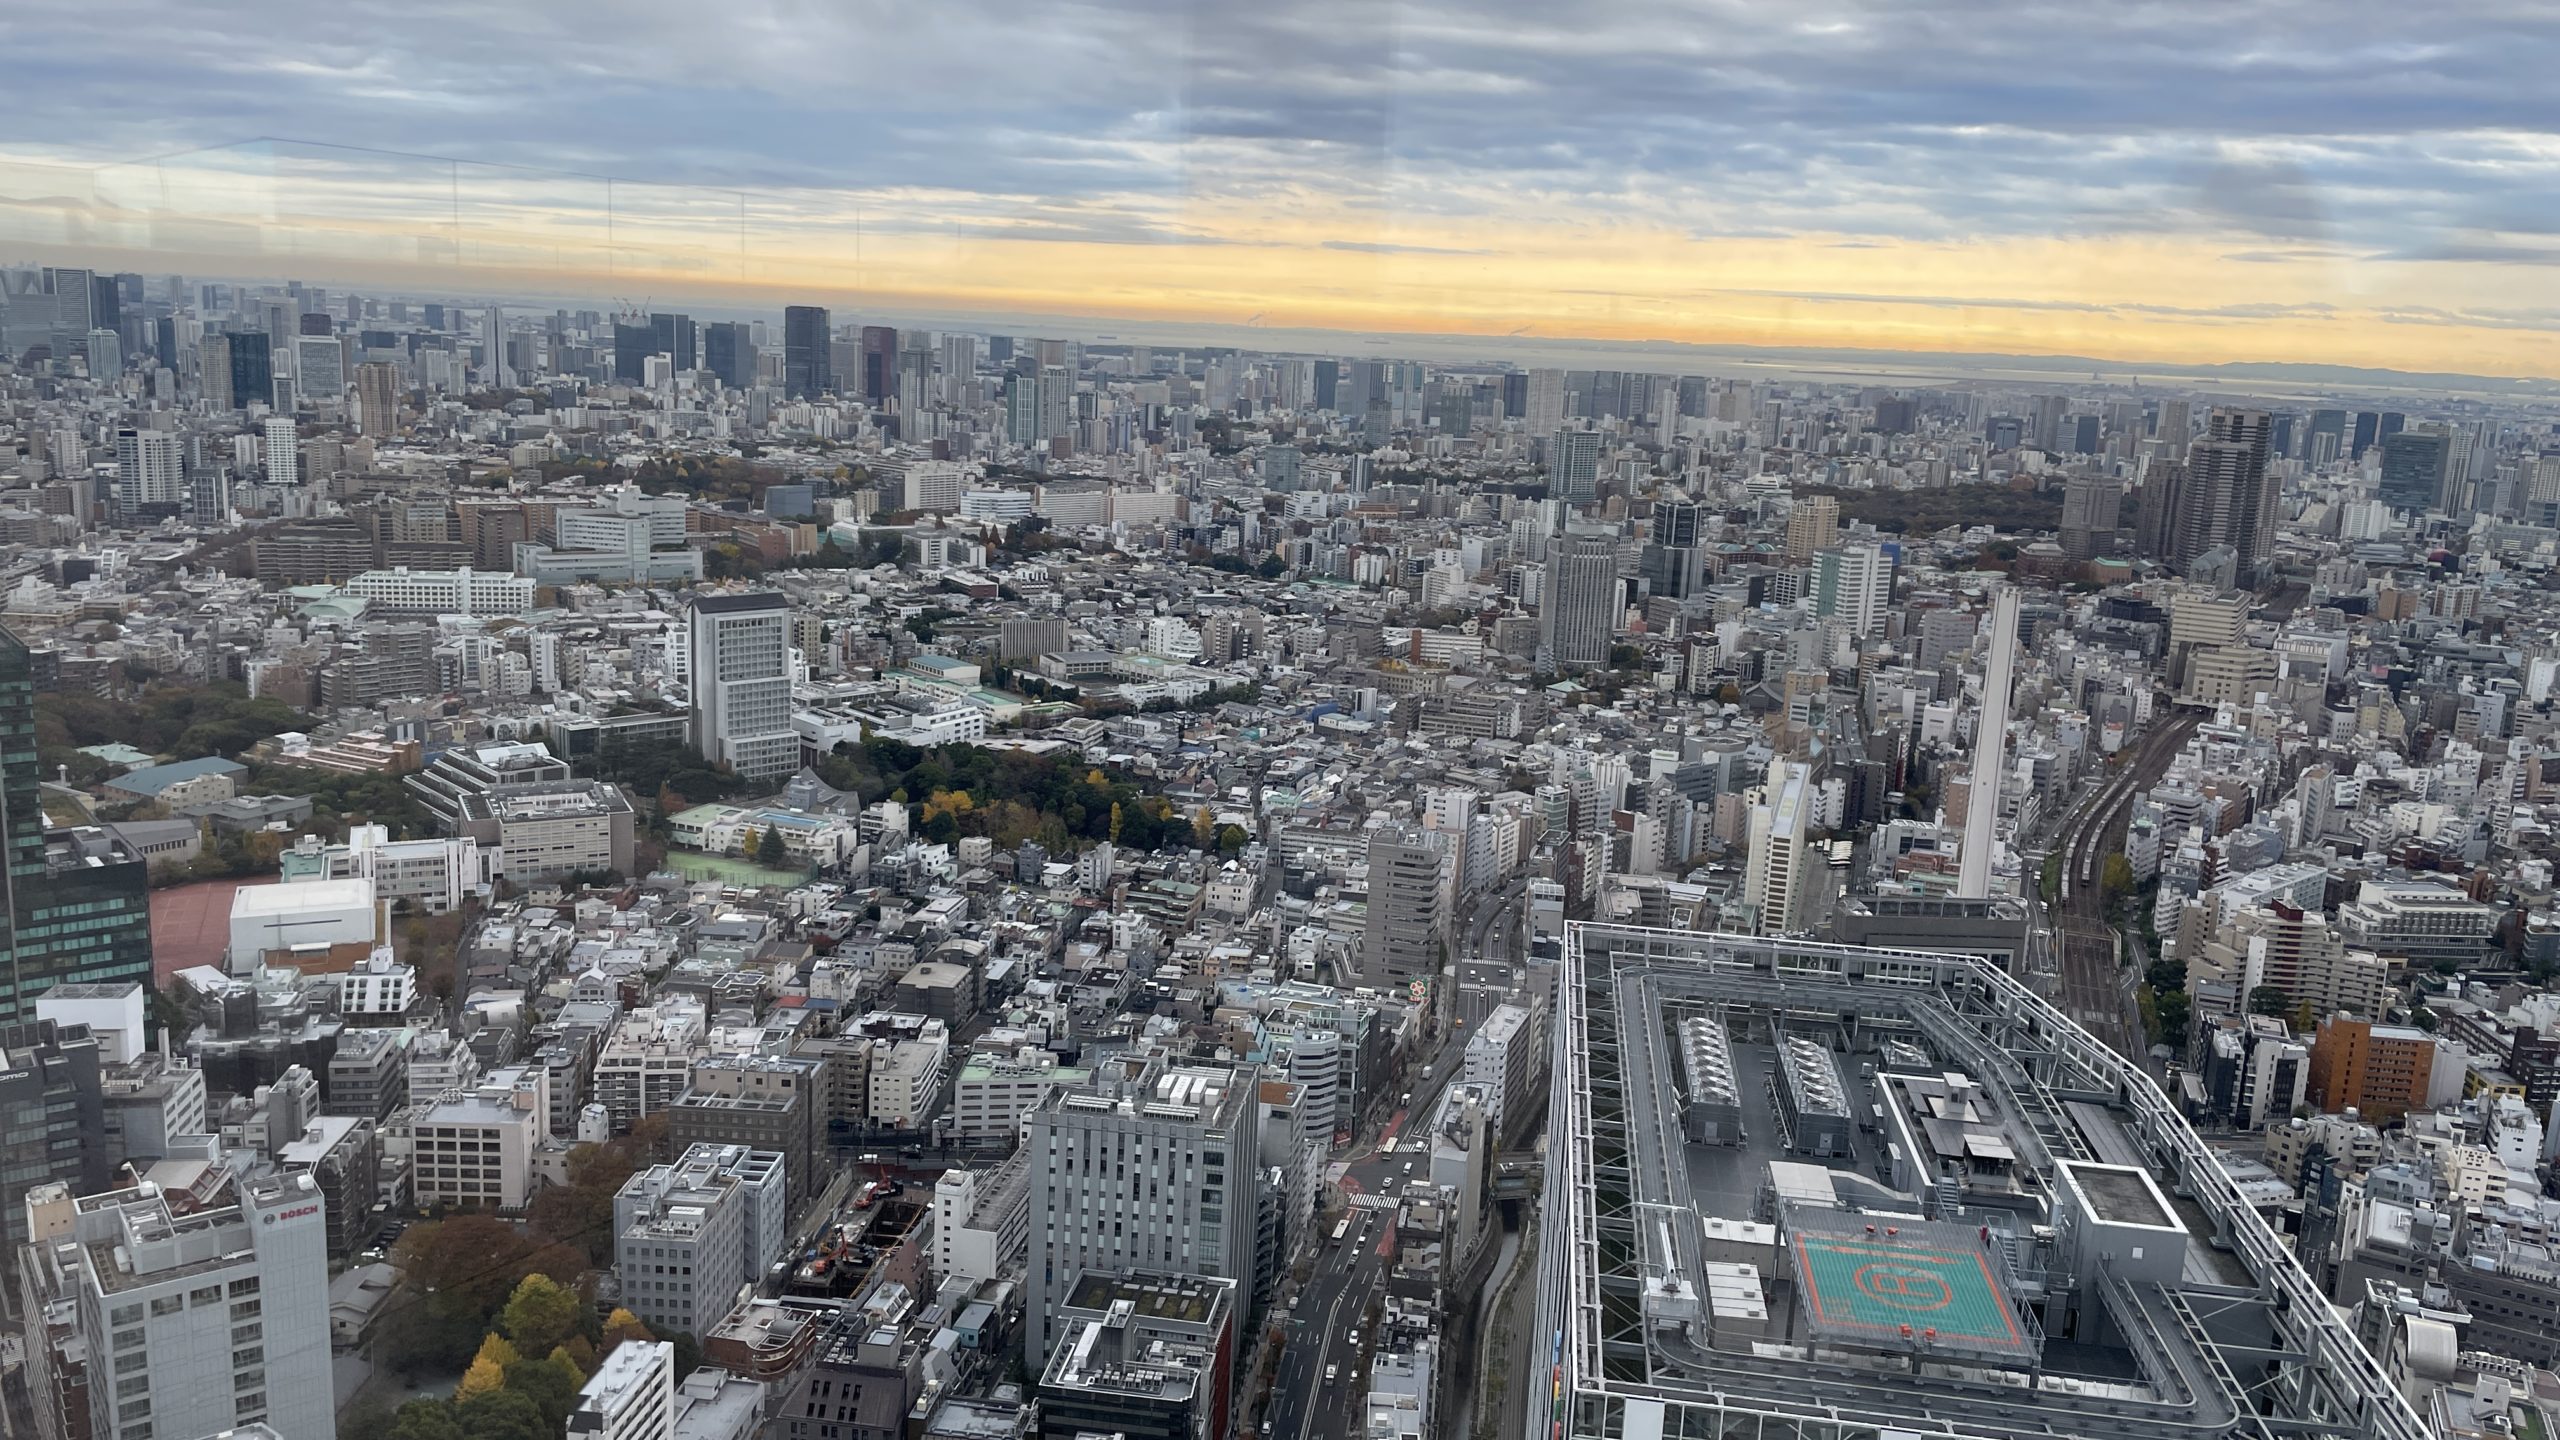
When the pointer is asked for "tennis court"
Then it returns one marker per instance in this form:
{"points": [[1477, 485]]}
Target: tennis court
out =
{"points": [[1931, 1287]]}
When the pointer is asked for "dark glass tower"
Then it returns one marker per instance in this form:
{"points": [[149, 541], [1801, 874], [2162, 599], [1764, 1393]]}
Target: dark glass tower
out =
{"points": [[808, 369], [79, 903]]}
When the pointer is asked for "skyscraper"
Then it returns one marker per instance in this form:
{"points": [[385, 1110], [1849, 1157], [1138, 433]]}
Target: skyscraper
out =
{"points": [[729, 352], [213, 370], [253, 376], [377, 398], [1410, 878], [320, 367], [879, 363], [150, 470], [1990, 751], [284, 451], [1777, 879], [2331, 423], [2415, 470], [493, 350], [632, 347], [1328, 383], [2092, 508], [2174, 429], [1578, 611], [79, 906], [1854, 585], [1573, 465], [741, 683], [672, 335], [2368, 429], [1811, 526], [1545, 412], [2050, 410], [806, 371], [2228, 499]]}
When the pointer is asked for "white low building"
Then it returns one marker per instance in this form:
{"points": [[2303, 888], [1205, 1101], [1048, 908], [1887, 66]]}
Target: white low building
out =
{"points": [[274, 922], [444, 592]]}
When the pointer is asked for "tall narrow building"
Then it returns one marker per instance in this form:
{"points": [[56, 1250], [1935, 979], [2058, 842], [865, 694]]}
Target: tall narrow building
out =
{"points": [[1990, 752], [808, 369], [879, 363], [1578, 610], [1573, 465], [377, 398], [1778, 880], [741, 683], [2229, 501], [1854, 585], [1410, 873]]}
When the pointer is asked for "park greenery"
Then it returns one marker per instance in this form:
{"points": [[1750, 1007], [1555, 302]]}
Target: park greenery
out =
{"points": [[1924, 512]]}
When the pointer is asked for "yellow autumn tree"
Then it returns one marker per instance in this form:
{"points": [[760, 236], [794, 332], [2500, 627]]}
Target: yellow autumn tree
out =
{"points": [[488, 1370]]}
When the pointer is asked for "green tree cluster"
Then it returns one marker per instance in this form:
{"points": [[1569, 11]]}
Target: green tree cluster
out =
{"points": [[1056, 800]]}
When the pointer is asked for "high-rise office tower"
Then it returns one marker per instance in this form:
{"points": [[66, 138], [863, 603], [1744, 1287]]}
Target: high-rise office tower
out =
{"points": [[1777, 879], [185, 1321], [253, 376], [494, 369], [2157, 506], [1411, 874], [672, 335], [1675, 522], [1149, 1165], [78, 901], [1579, 607], [2084, 435], [2092, 508], [1366, 386], [1812, 526], [150, 470], [377, 398], [632, 347], [1328, 383], [213, 370], [284, 451], [2329, 423], [1573, 465], [741, 683], [729, 352], [959, 367], [1854, 585], [2229, 500], [879, 363], [1545, 412], [2050, 410], [1515, 395], [2368, 430], [2175, 428], [320, 367], [2388, 424], [806, 368], [2416, 470]]}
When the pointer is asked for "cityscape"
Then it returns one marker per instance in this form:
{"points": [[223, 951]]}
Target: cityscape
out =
{"points": [[896, 843]]}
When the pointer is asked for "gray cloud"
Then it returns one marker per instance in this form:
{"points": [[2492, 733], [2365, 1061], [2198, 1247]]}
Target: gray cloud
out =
{"points": [[2356, 126]]}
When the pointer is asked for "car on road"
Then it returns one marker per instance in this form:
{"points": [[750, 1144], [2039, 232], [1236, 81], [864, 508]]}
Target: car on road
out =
{"points": [[1332, 1373]]}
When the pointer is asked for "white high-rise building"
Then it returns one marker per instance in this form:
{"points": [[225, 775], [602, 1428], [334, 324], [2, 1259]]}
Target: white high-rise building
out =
{"points": [[192, 1323], [1854, 585], [150, 470], [284, 451], [741, 683], [1777, 880], [1990, 752]]}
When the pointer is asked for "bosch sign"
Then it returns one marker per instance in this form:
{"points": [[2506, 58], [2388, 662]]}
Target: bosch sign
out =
{"points": [[296, 1213]]}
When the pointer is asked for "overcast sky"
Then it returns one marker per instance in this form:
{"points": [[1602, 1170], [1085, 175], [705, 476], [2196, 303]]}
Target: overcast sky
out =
{"points": [[2363, 182]]}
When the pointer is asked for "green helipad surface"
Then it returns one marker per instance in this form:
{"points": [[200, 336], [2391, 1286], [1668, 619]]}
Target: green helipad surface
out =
{"points": [[1864, 1288]]}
